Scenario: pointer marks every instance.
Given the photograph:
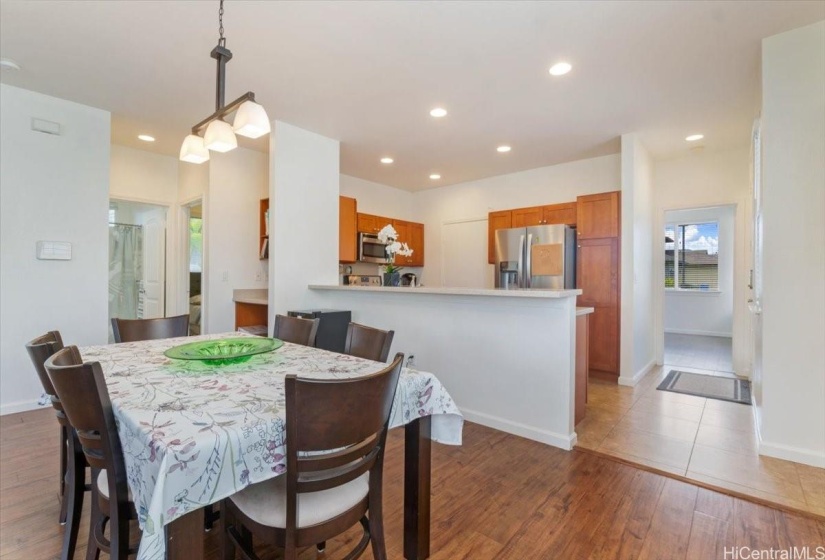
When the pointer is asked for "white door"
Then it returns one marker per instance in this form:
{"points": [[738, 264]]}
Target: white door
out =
{"points": [[152, 295]]}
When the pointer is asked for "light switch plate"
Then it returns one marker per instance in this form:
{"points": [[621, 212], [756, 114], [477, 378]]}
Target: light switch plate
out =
{"points": [[54, 251]]}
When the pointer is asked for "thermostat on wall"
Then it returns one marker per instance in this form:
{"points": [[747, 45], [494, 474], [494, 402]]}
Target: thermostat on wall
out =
{"points": [[54, 250]]}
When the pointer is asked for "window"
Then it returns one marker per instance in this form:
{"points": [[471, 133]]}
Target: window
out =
{"points": [[692, 256]]}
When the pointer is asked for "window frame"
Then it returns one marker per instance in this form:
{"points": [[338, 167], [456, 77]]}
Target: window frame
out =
{"points": [[676, 289]]}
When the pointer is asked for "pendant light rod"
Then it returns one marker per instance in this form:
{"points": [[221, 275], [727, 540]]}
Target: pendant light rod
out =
{"points": [[221, 112], [222, 55]]}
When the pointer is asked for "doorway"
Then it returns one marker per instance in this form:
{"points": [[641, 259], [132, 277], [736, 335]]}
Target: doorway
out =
{"points": [[698, 289], [137, 261], [195, 265]]}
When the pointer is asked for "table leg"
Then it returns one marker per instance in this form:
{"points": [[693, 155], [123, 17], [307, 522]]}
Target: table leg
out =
{"points": [[417, 445], [184, 537]]}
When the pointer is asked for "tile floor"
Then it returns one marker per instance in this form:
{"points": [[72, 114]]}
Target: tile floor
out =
{"points": [[707, 440], [704, 352]]}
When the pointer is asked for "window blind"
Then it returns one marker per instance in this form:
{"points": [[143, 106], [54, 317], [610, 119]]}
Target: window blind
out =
{"points": [[692, 256]]}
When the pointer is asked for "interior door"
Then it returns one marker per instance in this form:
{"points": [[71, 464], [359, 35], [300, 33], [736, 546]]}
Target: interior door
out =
{"points": [[152, 292], [755, 302]]}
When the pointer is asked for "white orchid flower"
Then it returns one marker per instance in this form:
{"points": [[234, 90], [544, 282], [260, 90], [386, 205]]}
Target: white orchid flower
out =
{"points": [[394, 247], [404, 250], [387, 233]]}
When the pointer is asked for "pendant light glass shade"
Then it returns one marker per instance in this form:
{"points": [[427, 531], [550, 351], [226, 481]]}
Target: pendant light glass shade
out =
{"points": [[251, 120], [193, 150], [219, 136]]}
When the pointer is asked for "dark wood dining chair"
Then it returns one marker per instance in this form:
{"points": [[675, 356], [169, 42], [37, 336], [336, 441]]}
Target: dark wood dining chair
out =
{"points": [[133, 330], [296, 329], [368, 342], [72, 462], [322, 493], [81, 389]]}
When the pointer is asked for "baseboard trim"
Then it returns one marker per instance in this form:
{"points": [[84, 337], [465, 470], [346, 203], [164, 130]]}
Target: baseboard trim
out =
{"points": [[516, 428], [790, 453], [700, 333], [19, 406], [633, 381]]}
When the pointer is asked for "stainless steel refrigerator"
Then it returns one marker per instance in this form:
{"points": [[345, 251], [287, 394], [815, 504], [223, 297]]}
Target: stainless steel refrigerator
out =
{"points": [[539, 257]]}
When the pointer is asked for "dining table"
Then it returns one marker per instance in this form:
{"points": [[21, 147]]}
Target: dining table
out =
{"points": [[196, 431]]}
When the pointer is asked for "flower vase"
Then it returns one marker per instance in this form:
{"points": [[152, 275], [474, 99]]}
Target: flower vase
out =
{"points": [[392, 278]]}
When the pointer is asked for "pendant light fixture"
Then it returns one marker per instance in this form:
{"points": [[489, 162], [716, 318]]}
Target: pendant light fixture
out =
{"points": [[251, 119]]}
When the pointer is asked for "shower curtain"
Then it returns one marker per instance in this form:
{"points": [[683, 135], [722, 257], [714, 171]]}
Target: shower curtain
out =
{"points": [[125, 263]]}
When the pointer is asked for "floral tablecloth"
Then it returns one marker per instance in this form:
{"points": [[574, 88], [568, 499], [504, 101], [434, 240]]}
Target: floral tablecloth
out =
{"points": [[193, 434]]}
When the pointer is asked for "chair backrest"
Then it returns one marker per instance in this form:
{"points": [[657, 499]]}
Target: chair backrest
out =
{"points": [[368, 342], [81, 388], [296, 329], [133, 330], [41, 349], [324, 414]]}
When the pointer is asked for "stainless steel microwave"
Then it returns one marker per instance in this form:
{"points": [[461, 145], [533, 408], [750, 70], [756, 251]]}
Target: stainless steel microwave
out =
{"points": [[371, 249]]}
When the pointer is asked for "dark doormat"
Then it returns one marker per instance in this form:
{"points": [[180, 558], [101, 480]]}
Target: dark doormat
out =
{"points": [[730, 389]]}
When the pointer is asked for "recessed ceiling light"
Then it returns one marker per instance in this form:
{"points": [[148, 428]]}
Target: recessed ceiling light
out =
{"points": [[9, 64], [386, 160], [146, 138], [694, 137], [560, 68], [438, 112], [435, 176], [503, 149]]}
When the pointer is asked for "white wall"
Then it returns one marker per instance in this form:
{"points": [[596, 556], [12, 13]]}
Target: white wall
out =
{"points": [[53, 188], [378, 199], [708, 179], [146, 177], [238, 180], [704, 313], [793, 206], [472, 201], [303, 231], [637, 355], [142, 176]]}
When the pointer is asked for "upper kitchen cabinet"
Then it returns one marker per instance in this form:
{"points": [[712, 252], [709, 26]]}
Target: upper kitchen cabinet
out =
{"points": [[597, 215], [496, 220], [416, 243], [412, 234], [347, 229], [526, 217], [368, 223], [560, 214]]}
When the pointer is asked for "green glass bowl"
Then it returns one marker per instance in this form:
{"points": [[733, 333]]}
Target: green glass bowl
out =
{"points": [[224, 350]]}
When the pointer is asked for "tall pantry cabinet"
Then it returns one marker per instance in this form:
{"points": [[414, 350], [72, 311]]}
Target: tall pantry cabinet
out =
{"points": [[598, 266]]}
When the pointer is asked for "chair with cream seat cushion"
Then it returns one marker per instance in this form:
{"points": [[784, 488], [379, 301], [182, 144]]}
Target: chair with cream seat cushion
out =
{"points": [[81, 388], [323, 493]]}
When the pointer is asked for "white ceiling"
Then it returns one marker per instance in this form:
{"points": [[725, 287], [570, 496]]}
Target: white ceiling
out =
{"points": [[368, 73]]}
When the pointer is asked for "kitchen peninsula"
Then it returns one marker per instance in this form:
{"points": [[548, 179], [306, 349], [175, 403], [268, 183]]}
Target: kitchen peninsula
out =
{"points": [[506, 356]]}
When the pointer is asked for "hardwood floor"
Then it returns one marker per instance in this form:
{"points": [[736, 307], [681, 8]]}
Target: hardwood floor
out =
{"points": [[496, 497]]}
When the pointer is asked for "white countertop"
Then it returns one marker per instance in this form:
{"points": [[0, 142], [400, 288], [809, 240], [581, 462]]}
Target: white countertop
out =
{"points": [[258, 296], [545, 294], [584, 311]]}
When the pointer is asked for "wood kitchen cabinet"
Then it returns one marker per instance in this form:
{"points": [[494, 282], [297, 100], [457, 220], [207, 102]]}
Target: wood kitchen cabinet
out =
{"points": [[598, 215], [598, 269], [347, 229], [496, 220], [559, 214], [369, 223], [582, 365], [526, 217], [411, 233], [416, 243], [263, 241]]}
